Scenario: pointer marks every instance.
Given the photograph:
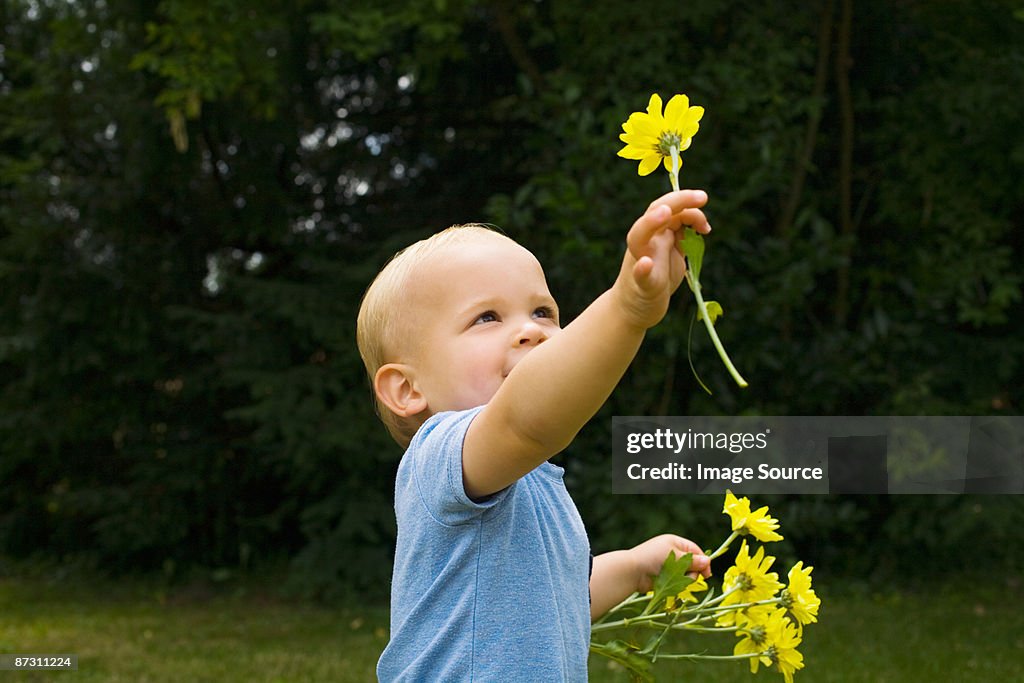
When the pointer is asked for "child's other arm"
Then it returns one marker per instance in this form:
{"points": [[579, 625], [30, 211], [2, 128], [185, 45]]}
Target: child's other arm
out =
{"points": [[620, 573], [561, 383]]}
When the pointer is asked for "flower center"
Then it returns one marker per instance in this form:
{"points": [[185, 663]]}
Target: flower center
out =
{"points": [[745, 581], [668, 140]]}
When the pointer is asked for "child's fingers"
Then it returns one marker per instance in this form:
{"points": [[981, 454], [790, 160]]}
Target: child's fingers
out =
{"points": [[681, 199], [642, 234], [650, 274], [691, 218], [700, 564], [695, 219], [643, 267], [670, 211], [643, 271]]}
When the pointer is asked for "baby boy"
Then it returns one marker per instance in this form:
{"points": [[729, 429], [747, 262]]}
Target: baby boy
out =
{"points": [[474, 376]]}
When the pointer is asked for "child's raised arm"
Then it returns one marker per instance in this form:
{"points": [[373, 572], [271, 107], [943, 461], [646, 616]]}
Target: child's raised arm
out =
{"points": [[561, 383]]}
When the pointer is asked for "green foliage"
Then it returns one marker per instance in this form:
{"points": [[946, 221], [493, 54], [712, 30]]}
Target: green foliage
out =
{"points": [[193, 197], [693, 246], [370, 29], [212, 51], [672, 578], [714, 311]]}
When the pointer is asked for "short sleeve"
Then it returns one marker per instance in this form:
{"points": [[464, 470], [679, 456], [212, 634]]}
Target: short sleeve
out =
{"points": [[435, 460]]}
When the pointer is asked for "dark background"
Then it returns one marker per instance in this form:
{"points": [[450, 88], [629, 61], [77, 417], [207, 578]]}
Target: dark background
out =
{"points": [[194, 195]]}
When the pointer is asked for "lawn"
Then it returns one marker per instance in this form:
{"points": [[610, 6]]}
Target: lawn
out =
{"points": [[133, 631], [136, 633]]}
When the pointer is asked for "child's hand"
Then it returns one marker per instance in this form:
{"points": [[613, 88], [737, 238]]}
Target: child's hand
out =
{"points": [[653, 266], [650, 555]]}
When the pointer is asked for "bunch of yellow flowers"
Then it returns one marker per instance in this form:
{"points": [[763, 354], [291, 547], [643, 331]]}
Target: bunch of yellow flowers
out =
{"points": [[766, 615]]}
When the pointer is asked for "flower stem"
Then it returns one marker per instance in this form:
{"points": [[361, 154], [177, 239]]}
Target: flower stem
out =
{"points": [[656, 645], [717, 610], [631, 600], [708, 629], [673, 175], [718, 658], [715, 601], [695, 288], [725, 546], [623, 623]]}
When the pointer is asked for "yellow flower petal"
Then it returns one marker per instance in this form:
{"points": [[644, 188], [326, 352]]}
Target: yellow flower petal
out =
{"points": [[668, 163], [747, 646], [644, 125], [633, 152], [699, 585], [654, 109], [649, 163], [676, 110], [638, 140]]}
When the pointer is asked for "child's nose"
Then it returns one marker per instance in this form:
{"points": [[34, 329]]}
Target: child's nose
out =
{"points": [[530, 333]]}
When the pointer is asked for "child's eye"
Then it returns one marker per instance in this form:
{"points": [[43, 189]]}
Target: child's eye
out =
{"points": [[544, 312], [487, 317]]}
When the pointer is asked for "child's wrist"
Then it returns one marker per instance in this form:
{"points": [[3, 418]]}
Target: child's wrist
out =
{"points": [[631, 308], [640, 580]]}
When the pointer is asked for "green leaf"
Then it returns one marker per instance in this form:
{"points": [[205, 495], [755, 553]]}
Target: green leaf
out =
{"points": [[714, 311], [693, 247], [671, 580]]}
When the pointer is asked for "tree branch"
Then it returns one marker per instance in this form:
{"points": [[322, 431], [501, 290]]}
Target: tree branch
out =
{"points": [[784, 225]]}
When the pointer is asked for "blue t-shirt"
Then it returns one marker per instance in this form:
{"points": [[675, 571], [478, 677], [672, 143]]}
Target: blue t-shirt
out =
{"points": [[496, 590]]}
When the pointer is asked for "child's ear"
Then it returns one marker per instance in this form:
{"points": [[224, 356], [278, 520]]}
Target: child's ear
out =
{"points": [[395, 389]]}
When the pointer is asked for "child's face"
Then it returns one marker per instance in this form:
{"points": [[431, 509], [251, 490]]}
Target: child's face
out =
{"points": [[482, 306]]}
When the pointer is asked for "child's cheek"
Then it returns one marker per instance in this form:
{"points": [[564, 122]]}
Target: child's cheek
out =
{"points": [[482, 380]]}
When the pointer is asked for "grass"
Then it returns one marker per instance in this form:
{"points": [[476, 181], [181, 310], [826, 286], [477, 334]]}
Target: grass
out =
{"points": [[138, 632]]}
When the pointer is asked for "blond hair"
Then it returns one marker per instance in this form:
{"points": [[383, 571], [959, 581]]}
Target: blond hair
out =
{"points": [[379, 327]]}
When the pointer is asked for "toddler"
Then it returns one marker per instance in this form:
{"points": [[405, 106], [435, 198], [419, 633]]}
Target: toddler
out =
{"points": [[474, 376]]}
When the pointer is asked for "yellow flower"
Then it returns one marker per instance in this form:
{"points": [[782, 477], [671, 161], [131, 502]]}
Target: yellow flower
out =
{"points": [[783, 640], [754, 642], [757, 523], [687, 594], [748, 581], [753, 634], [769, 635], [650, 136], [798, 599], [750, 574]]}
